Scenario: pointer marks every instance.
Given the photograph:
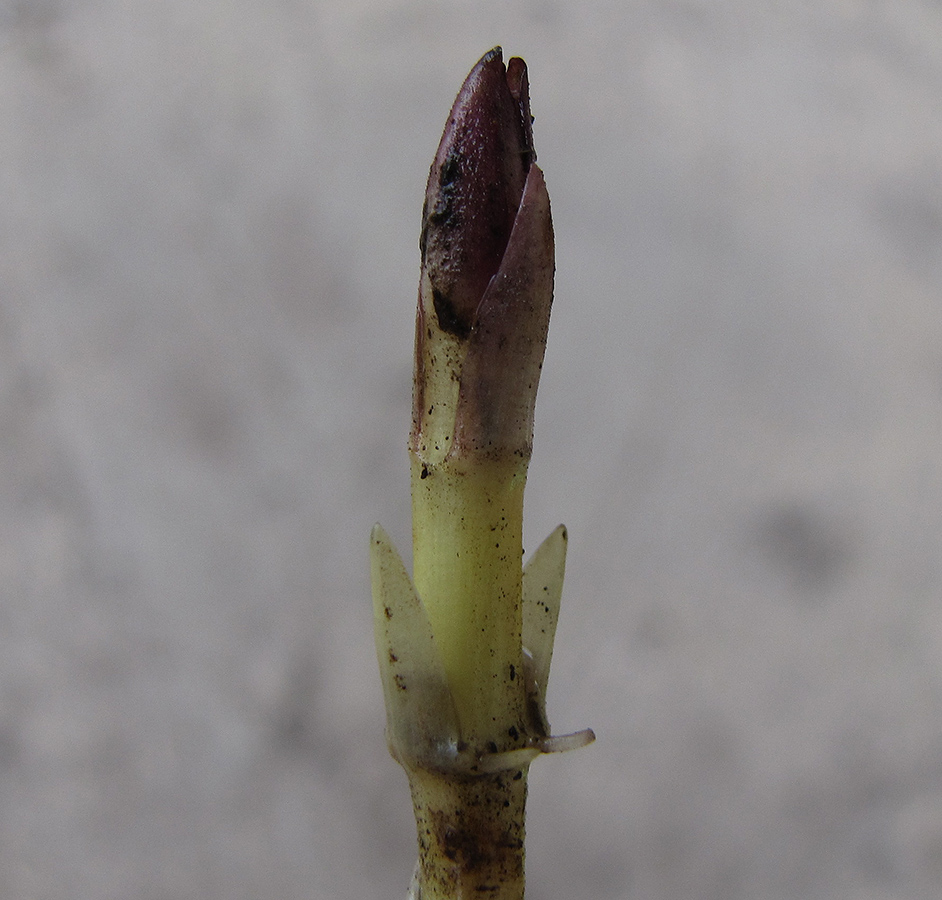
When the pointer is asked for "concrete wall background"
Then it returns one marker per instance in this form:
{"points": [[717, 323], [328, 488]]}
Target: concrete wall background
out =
{"points": [[208, 228]]}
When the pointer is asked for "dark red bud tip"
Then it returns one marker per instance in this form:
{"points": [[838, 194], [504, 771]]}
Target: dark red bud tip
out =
{"points": [[519, 85], [474, 188]]}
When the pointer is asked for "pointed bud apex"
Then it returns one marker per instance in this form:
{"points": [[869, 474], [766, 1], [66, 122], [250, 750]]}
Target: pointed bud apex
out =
{"points": [[487, 273], [474, 189]]}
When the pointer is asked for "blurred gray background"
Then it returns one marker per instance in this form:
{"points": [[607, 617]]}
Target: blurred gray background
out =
{"points": [[209, 216]]}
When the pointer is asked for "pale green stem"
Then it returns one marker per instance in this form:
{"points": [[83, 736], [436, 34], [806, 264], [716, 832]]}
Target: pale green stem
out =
{"points": [[467, 522], [471, 834]]}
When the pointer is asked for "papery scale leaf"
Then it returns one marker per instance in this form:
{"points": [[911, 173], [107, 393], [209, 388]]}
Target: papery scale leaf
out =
{"points": [[421, 722]]}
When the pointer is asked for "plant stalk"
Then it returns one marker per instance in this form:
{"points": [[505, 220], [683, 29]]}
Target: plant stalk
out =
{"points": [[467, 533], [464, 645], [471, 834]]}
